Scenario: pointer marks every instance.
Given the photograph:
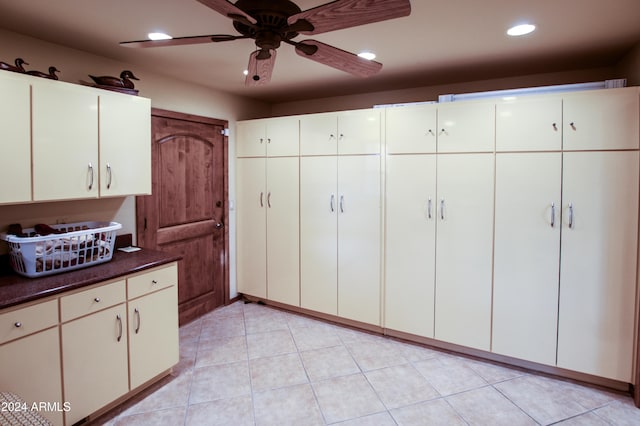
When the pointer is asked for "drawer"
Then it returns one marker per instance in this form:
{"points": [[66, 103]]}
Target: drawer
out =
{"points": [[24, 321], [92, 300], [152, 280]]}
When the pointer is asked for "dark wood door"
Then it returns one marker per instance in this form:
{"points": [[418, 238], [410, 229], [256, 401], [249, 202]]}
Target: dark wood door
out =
{"points": [[187, 211]]}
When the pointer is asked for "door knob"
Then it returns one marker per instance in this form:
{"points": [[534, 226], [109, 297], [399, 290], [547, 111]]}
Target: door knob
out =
{"points": [[219, 225]]}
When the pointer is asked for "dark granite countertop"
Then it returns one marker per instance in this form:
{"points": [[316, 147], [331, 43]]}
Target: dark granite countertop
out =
{"points": [[16, 289]]}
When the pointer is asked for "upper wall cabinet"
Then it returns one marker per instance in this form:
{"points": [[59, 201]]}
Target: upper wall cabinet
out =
{"points": [[601, 119], [15, 173], [348, 132], [466, 127], [411, 129], [275, 137], [65, 141], [125, 147], [529, 125]]}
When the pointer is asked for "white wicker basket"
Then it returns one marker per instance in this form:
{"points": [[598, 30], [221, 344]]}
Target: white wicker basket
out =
{"points": [[79, 245]]}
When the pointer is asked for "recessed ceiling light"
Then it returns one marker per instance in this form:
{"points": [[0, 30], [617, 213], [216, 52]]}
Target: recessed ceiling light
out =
{"points": [[522, 29], [367, 55], [159, 36]]}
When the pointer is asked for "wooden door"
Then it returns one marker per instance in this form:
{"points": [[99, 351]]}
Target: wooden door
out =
{"points": [[188, 210], [410, 243], [527, 255], [598, 263]]}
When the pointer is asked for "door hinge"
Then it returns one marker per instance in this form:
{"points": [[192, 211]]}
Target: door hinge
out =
{"points": [[224, 132]]}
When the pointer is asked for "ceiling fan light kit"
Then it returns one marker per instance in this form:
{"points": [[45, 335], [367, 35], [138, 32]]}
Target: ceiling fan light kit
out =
{"points": [[273, 22]]}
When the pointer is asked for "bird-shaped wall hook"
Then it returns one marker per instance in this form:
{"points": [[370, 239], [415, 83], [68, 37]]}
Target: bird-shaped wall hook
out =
{"points": [[52, 73], [124, 81], [17, 68]]}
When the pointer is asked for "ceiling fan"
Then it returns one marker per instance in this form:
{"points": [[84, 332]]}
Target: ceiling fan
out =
{"points": [[272, 22]]}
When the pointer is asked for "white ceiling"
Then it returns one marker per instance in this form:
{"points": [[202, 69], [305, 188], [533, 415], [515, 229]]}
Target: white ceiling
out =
{"points": [[441, 41]]}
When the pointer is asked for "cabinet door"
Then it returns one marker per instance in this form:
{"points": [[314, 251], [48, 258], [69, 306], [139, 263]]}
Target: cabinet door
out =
{"points": [[359, 239], [251, 138], [125, 145], [529, 125], [410, 243], [598, 266], [359, 132], [602, 119], [527, 253], [464, 249], [283, 243], [15, 143], [411, 129], [153, 335], [94, 358], [65, 141], [251, 229], [466, 126], [283, 136], [319, 134], [318, 234], [31, 369]]}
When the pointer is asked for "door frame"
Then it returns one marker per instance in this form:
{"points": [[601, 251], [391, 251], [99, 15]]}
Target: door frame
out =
{"points": [[141, 200]]}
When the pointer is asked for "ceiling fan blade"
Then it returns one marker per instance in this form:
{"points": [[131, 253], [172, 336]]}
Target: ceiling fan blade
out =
{"points": [[225, 8], [337, 58], [176, 41], [341, 14], [260, 70]]}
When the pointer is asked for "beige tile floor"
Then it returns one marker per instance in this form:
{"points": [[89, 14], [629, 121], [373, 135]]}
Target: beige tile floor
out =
{"points": [[249, 364]]}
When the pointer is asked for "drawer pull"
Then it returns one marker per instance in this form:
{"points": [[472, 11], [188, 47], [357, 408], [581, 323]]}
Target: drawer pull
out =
{"points": [[154, 282], [119, 320], [136, 312], [97, 300], [18, 324]]}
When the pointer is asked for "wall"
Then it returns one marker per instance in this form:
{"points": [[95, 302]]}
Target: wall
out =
{"points": [[629, 66], [165, 93]]}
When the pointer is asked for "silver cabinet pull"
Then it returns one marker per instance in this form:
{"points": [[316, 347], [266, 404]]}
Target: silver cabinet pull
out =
{"points": [[443, 132], [18, 324], [261, 201], [331, 136], [555, 126], [429, 208], [97, 300], [269, 199], [553, 214], [268, 140], [341, 137], [136, 312], [119, 321], [154, 282], [331, 201], [90, 171], [570, 215], [108, 176], [261, 140], [342, 204], [573, 125], [430, 132], [442, 209]]}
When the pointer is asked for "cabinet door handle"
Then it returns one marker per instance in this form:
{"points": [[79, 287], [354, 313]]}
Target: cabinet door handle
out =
{"points": [[570, 215], [331, 201], [573, 125], [430, 132], [442, 209], [443, 132], [268, 140], [136, 312], [261, 140], [331, 136], [119, 321], [261, 201], [555, 127], [269, 199], [17, 324], [108, 176], [341, 136], [553, 214], [154, 282], [429, 208], [97, 300], [342, 204], [90, 171]]}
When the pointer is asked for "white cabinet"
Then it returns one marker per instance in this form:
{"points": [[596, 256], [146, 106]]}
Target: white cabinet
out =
{"points": [[464, 247], [125, 145], [272, 137], [410, 243], [527, 255], [466, 126], [601, 119], [15, 142], [28, 333], [65, 141], [340, 236], [529, 124], [268, 214], [598, 263], [411, 129], [347, 132], [153, 323]]}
